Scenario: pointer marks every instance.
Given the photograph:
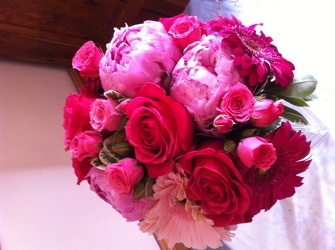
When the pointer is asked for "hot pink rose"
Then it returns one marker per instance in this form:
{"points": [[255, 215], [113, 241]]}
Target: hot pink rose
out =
{"points": [[81, 168], [86, 144], [215, 183], [159, 129], [77, 115], [136, 55], [256, 151], [223, 124], [87, 59], [132, 210], [123, 176], [266, 112], [104, 115], [184, 29], [238, 103], [200, 79]]}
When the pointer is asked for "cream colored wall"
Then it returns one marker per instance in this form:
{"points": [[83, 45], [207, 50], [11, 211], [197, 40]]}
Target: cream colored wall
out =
{"points": [[41, 207]]}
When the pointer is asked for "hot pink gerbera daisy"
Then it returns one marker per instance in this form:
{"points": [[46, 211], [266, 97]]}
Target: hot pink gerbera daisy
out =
{"points": [[254, 53], [280, 181]]}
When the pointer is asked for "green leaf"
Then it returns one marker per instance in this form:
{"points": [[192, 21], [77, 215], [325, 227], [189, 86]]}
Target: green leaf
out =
{"points": [[294, 116], [139, 191], [266, 130], [297, 101], [300, 87], [96, 162]]}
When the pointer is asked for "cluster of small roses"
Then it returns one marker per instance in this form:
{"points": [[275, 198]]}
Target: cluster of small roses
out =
{"points": [[172, 127]]}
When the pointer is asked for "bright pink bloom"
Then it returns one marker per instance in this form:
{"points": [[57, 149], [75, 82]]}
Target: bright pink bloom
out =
{"points": [[215, 183], [238, 103], [136, 55], [104, 115], [256, 151], [159, 128], [87, 59], [223, 123], [86, 144], [254, 54], [130, 209], [266, 112], [184, 29], [123, 176], [281, 179], [77, 115], [81, 168]]}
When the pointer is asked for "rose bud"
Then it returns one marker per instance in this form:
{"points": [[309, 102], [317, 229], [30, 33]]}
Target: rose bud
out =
{"points": [[223, 124], [266, 112], [256, 151]]}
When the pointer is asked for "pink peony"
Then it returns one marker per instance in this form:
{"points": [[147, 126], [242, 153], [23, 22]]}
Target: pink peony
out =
{"points": [[86, 145], [104, 115], [159, 128], [238, 103], [201, 78], [123, 176], [136, 55], [184, 29], [129, 208], [87, 59], [256, 151], [266, 112]]}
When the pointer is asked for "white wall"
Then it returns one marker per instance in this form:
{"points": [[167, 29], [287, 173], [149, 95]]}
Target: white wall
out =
{"points": [[41, 207]]}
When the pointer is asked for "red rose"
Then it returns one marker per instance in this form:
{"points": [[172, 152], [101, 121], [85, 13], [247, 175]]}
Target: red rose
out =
{"points": [[159, 129], [184, 29], [216, 184], [87, 59], [81, 169], [77, 115]]}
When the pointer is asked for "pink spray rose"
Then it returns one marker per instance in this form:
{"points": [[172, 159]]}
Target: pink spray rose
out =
{"points": [[86, 144], [256, 151], [104, 115], [238, 103], [129, 208], [87, 59], [266, 112], [76, 115], [184, 29], [123, 176], [216, 183], [223, 124], [159, 129], [200, 79], [136, 55]]}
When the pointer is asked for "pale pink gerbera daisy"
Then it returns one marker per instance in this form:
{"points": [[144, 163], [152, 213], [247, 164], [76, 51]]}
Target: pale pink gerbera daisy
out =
{"points": [[171, 219], [281, 179], [254, 53]]}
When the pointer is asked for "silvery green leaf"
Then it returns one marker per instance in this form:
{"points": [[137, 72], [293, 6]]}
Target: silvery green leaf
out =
{"points": [[294, 116], [297, 101], [300, 87], [96, 162], [106, 158], [116, 96]]}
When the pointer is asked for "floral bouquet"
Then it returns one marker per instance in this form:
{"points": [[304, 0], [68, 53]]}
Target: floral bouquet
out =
{"points": [[185, 126]]}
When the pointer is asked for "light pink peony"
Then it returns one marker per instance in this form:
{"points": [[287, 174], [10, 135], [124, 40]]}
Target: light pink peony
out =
{"points": [[125, 204], [136, 55], [104, 115], [201, 78]]}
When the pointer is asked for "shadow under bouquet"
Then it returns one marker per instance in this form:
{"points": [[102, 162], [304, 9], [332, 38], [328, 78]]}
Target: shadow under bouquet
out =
{"points": [[185, 126]]}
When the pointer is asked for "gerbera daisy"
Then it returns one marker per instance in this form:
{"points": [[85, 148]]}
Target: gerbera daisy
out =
{"points": [[254, 53], [280, 181], [170, 218]]}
